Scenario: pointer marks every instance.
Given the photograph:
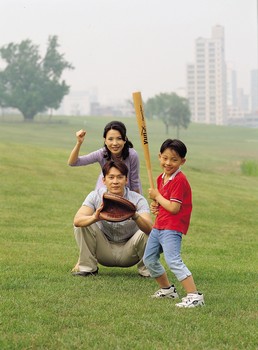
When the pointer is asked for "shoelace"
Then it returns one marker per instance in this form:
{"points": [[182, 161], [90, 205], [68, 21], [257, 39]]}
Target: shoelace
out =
{"points": [[186, 299]]}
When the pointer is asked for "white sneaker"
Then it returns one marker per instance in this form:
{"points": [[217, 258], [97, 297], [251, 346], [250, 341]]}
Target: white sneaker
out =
{"points": [[166, 293], [144, 272], [192, 300]]}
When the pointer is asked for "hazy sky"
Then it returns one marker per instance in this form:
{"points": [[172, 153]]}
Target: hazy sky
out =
{"points": [[121, 46]]}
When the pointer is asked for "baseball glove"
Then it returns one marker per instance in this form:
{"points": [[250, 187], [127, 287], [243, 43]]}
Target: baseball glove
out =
{"points": [[116, 208]]}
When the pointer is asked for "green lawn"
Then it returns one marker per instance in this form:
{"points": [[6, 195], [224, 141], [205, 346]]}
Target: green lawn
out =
{"points": [[44, 307]]}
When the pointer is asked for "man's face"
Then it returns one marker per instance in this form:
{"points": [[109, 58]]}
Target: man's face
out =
{"points": [[115, 181]]}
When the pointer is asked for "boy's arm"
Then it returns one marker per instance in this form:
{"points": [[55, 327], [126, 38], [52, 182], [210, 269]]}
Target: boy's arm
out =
{"points": [[171, 206]]}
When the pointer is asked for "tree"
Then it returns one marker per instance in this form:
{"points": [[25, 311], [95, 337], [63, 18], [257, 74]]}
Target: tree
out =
{"points": [[28, 82], [172, 109], [179, 112]]}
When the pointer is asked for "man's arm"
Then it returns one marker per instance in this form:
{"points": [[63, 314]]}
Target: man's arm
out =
{"points": [[143, 221], [86, 216]]}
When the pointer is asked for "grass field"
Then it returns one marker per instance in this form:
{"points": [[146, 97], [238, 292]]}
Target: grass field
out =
{"points": [[44, 307]]}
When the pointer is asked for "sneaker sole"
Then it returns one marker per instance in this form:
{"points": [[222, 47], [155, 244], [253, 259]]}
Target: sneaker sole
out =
{"points": [[165, 296], [190, 306]]}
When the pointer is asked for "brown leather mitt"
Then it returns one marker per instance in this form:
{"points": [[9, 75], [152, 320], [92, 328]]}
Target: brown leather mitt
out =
{"points": [[116, 208]]}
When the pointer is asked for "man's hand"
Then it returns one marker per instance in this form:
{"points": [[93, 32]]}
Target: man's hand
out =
{"points": [[97, 212], [86, 216]]}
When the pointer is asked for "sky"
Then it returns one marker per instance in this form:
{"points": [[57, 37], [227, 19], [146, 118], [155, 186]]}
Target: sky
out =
{"points": [[121, 46]]}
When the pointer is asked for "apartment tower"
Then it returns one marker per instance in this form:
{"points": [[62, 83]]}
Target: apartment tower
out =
{"points": [[206, 80]]}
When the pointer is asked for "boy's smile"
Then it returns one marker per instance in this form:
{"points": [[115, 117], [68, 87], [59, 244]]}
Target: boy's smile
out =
{"points": [[170, 161]]}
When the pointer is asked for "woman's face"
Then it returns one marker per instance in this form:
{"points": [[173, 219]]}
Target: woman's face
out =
{"points": [[114, 142]]}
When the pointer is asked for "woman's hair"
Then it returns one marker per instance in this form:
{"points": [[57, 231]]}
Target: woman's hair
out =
{"points": [[118, 164], [120, 127], [176, 145]]}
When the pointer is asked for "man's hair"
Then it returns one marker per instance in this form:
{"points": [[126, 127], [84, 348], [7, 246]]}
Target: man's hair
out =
{"points": [[121, 166], [176, 145], [121, 128]]}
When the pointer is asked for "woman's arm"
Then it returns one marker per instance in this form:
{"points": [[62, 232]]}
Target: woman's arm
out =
{"points": [[75, 151], [134, 175]]}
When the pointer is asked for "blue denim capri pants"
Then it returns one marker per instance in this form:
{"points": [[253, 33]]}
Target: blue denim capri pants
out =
{"points": [[168, 242]]}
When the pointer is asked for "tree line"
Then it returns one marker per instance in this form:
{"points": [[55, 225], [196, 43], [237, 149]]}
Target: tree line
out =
{"points": [[29, 82], [33, 84]]}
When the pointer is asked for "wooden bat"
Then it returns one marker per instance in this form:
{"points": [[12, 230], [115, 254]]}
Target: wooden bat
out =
{"points": [[138, 105]]}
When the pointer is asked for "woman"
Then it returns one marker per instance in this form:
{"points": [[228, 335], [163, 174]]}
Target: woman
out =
{"points": [[116, 146]]}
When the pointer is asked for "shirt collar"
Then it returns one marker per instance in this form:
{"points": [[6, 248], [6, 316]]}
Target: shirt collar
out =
{"points": [[173, 175]]}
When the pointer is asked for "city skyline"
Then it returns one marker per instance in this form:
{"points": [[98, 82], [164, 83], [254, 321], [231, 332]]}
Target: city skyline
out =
{"points": [[118, 47]]}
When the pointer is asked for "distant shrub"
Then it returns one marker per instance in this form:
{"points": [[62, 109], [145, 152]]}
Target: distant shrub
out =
{"points": [[250, 168]]}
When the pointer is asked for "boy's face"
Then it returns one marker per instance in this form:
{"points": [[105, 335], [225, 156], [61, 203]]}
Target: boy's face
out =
{"points": [[170, 161], [115, 181]]}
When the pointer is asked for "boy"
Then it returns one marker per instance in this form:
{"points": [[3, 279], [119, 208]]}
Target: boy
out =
{"points": [[173, 207]]}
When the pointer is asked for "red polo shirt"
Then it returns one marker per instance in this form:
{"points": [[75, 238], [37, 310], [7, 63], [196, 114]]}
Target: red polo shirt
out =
{"points": [[177, 189]]}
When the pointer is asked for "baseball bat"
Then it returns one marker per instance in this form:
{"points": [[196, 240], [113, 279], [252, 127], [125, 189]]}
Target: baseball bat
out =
{"points": [[138, 106]]}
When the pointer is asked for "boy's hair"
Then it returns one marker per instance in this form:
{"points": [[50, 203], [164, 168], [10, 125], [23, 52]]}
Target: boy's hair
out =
{"points": [[176, 145], [121, 128], [121, 166]]}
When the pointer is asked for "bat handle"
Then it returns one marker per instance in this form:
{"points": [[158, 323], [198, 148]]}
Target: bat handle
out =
{"points": [[150, 178]]}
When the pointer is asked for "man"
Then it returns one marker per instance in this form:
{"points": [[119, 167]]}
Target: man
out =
{"points": [[120, 244]]}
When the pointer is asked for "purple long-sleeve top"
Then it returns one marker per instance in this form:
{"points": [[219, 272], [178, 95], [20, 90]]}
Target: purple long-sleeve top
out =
{"points": [[132, 162]]}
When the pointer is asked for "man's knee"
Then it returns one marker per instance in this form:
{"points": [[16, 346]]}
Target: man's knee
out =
{"points": [[140, 238], [89, 230], [78, 230]]}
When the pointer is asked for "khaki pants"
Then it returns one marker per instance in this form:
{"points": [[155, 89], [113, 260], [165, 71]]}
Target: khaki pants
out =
{"points": [[95, 248]]}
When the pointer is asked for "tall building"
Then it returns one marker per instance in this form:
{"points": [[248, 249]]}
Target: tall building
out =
{"points": [[235, 96], [254, 90], [231, 86], [206, 80]]}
